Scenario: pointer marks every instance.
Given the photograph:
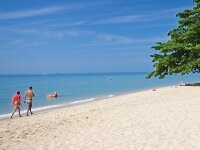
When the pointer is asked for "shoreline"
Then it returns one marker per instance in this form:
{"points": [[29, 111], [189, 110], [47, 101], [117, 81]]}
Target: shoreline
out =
{"points": [[48, 108], [167, 118]]}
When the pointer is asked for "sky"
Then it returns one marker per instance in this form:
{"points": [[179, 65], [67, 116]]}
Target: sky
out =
{"points": [[76, 36]]}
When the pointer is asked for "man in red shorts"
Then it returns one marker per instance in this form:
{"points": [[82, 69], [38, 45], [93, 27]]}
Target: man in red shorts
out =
{"points": [[16, 101]]}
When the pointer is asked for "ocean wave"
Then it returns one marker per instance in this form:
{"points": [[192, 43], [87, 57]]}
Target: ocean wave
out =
{"points": [[110, 95], [2, 116], [82, 101]]}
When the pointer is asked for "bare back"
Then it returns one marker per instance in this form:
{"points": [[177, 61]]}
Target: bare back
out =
{"points": [[29, 95]]}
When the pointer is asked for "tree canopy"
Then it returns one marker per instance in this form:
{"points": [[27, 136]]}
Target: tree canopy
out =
{"points": [[180, 54]]}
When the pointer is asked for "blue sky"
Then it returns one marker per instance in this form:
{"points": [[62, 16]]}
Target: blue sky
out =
{"points": [[50, 36]]}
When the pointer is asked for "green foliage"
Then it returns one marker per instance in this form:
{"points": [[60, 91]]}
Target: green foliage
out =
{"points": [[180, 54]]}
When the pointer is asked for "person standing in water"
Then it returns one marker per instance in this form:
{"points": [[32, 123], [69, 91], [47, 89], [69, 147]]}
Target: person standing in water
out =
{"points": [[16, 101], [28, 99]]}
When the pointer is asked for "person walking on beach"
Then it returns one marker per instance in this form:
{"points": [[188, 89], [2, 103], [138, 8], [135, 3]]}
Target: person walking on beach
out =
{"points": [[16, 101], [28, 99]]}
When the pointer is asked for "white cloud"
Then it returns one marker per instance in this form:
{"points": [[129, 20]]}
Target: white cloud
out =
{"points": [[114, 38], [75, 23], [24, 43], [43, 11], [144, 17], [58, 34], [17, 42], [128, 40], [96, 36], [117, 19], [30, 13], [174, 10]]}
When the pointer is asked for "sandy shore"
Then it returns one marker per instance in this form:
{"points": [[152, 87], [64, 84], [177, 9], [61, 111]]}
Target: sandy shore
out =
{"points": [[165, 119]]}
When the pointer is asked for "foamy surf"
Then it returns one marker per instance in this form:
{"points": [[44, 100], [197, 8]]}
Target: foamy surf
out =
{"points": [[3, 116], [34, 109], [82, 101]]}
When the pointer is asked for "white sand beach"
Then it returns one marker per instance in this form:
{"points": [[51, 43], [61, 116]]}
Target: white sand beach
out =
{"points": [[164, 119]]}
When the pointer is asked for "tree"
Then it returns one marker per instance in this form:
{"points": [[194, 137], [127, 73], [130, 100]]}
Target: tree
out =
{"points": [[180, 54]]}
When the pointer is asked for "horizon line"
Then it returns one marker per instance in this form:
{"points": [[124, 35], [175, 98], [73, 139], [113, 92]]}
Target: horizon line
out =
{"points": [[71, 73]]}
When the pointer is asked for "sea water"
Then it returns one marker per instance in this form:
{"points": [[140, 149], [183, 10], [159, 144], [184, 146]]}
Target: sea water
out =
{"points": [[78, 87]]}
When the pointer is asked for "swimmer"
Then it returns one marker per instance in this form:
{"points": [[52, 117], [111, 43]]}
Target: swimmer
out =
{"points": [[54, 95]]}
